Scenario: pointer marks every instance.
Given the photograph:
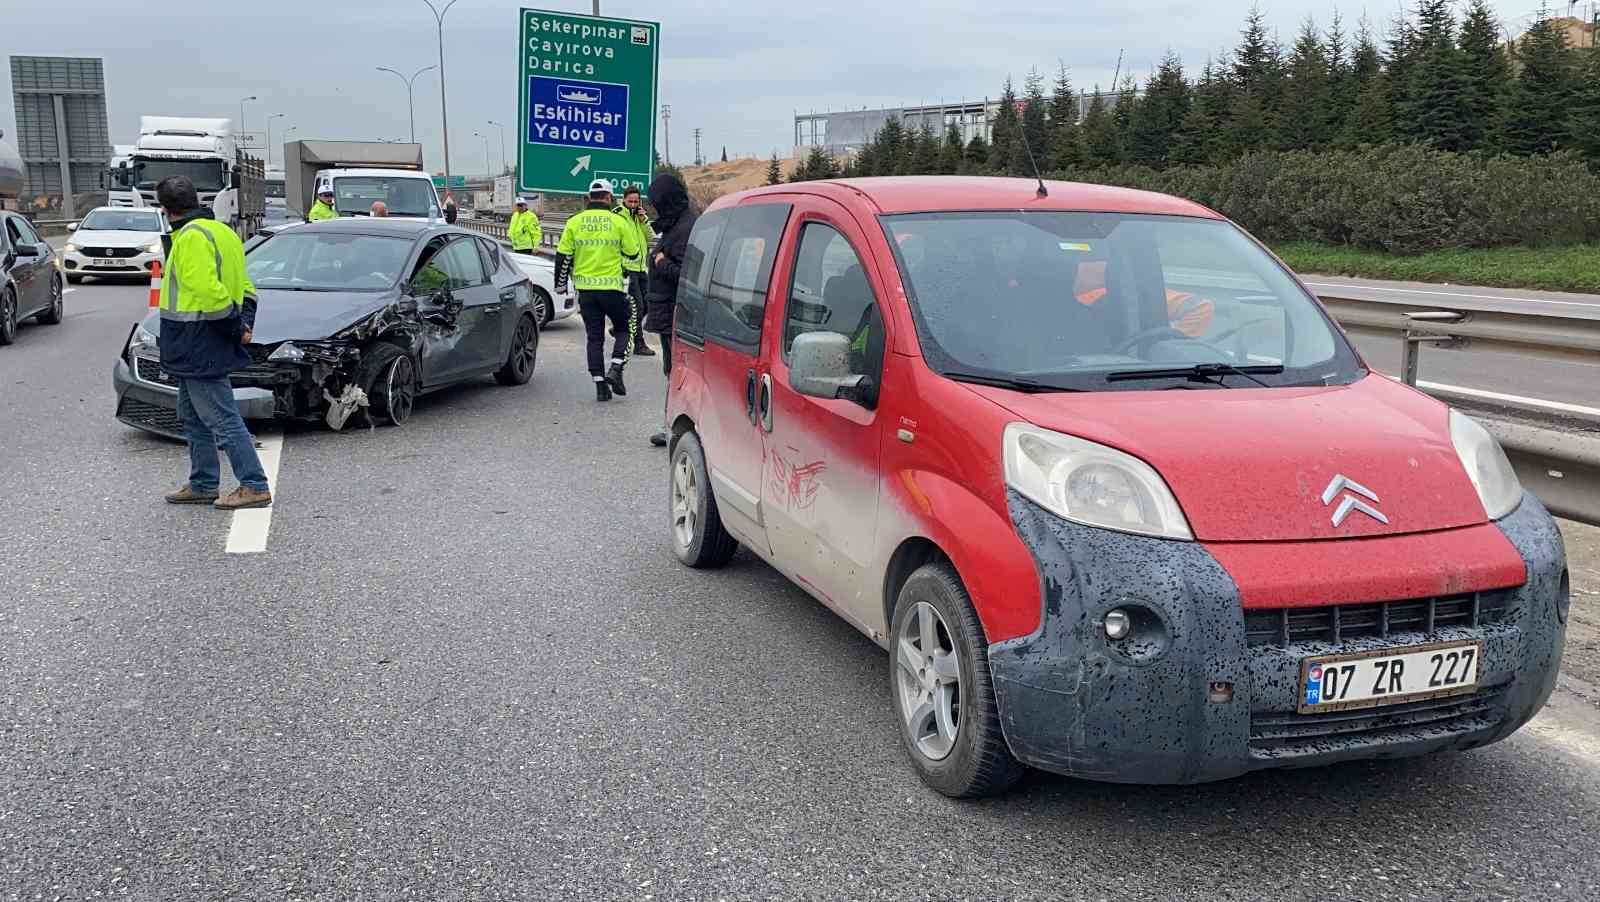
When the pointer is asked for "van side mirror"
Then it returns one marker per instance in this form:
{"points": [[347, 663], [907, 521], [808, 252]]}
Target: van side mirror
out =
{"points": [[819, 367]]}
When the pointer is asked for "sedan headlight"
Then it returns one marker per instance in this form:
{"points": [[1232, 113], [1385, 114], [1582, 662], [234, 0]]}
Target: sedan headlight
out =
{"points": [[143, 340], [70, 248], [1091, 484], [288, 352], [153, 247], [1486, 465]]}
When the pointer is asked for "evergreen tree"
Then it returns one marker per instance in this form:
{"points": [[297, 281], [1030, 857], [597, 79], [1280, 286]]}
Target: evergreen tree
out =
{"points": [[1537, 117], [1404, 48], [1159, 115], [1585, 119], [925, 152], [1213, 97], [774, 171], [1308, 98], [1247, 130], [952, 152], [1340, 96], [1065, 150], [1099, 133], [893, 153], [1122, 116], [1003, 134], [1034, 126], [1438, 87], [1191, 145], [724, 153], [976, 159], [1258, 70], [1487, 76], [1366, 119], [817, 165]]}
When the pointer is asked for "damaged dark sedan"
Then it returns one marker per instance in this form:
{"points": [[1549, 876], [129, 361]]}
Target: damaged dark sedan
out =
{"points": [[356, 319]]}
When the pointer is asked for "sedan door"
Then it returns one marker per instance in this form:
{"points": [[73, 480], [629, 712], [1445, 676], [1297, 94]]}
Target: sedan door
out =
{"points": [[463, 338], [27, 273]]}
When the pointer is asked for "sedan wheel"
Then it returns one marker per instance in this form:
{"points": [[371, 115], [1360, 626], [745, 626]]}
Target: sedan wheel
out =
{"points": [[543, 308], [522, 357], [54, 313], [8, 318], [400, 389]]}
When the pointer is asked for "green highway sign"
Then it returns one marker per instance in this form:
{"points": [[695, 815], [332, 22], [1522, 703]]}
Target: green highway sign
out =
{"points": [[587, 101], [456, 181]]}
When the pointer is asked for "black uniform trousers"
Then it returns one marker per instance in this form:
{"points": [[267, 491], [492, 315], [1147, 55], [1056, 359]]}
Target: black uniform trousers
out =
{"points": [[596, 307]]}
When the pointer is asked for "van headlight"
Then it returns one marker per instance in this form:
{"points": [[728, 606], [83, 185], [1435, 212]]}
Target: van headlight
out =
{"points": [[1485, 462], [1091, 484]]}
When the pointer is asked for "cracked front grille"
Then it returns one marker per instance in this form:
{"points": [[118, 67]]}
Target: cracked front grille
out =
{"points": [[1337, 623], [150, 371]]}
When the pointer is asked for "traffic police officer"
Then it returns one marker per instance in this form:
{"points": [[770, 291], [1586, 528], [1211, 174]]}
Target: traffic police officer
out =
{"points": [[594, 245], [323, 208], [524, 228], [208, 309]]}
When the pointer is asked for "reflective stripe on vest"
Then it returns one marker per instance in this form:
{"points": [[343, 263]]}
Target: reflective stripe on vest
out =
{"points": [[171, 310]]}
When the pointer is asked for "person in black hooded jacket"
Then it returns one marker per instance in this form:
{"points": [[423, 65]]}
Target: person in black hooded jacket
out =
{"points": [[674, 221]]}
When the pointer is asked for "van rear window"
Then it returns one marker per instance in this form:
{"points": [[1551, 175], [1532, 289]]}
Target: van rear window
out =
{"points": [[737, 294]]}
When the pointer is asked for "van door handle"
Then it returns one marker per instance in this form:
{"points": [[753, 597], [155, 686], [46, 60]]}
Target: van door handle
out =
{"points": [[764, 403], [750, 396]]}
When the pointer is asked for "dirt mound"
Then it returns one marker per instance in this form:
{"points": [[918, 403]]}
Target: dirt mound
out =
{"points": [[711, 181]]}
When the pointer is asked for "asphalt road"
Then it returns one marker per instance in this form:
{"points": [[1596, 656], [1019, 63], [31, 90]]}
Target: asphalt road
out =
{"points": [[467, 667]]}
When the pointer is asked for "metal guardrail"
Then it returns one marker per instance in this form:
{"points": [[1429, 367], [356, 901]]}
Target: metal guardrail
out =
{"points": [[1557, 457]]}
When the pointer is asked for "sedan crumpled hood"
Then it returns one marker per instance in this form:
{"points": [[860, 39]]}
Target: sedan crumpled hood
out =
{"points": [[113, 238], [1253, 464], [312, 315]]}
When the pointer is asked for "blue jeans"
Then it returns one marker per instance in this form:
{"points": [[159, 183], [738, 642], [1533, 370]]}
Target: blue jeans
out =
{"points": [[210, 417]]}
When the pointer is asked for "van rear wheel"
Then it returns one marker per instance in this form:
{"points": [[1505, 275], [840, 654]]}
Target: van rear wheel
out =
{"points": [[698, 536], [942, 689]]}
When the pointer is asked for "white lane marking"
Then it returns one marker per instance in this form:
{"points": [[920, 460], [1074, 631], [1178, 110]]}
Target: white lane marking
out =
{"points": [[248, 534], [1455, 294], [1518, 400]]}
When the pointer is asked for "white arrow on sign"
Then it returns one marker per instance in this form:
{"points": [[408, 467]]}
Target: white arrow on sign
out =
{"points": [[583, 163]]}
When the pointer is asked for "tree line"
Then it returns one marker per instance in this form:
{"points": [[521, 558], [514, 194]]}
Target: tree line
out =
{"points": [[1445, 84]]}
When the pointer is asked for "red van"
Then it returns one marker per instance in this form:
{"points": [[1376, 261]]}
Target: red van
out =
{"points": [[1118, 497]]}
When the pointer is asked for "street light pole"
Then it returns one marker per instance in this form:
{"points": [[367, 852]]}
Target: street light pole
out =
{"points": [[242, 130], [269, 137], [444, 110], [502, 144], [410, 106], [485, 150]]}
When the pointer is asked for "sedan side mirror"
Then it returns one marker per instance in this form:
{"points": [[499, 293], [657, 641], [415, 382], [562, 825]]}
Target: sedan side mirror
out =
{"points": [[72, 227], [819, 367]]}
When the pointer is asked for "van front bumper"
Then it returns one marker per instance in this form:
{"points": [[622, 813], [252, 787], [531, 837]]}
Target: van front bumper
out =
{"points": [[1194, 696]]}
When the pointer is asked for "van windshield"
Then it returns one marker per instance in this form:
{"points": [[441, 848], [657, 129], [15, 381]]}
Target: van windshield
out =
{"points": [[1071, 299], [354, 195]]}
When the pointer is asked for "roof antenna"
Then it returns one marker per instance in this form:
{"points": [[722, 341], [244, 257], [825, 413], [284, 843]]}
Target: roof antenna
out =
{"points": [[1023, 134]]}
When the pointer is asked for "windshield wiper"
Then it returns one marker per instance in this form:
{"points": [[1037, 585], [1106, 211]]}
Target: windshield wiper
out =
{"points": [[1022, 385], [1200, 372]]}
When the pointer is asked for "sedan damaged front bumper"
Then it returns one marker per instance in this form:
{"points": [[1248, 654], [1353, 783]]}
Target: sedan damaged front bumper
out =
{"points": [[151, 403]]}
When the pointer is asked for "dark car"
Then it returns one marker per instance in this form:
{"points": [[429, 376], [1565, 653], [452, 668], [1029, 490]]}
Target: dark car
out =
{"points": [[30, 277], [356, 315]]}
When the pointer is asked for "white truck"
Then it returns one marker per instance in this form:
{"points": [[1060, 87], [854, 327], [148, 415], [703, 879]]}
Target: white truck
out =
{"points": [[228, 180], [359, 173], [120, 189]]}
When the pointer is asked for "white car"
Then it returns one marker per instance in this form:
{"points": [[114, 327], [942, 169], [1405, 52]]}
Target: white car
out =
{"points": [[114, 241], [549, 306]]}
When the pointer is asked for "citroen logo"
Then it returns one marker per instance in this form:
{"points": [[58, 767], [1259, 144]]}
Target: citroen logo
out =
{"points": [[1349, 489]]}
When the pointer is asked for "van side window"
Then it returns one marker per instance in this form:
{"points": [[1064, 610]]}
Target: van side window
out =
{"points": [[690, 317], [737, 296], [830, 293]]}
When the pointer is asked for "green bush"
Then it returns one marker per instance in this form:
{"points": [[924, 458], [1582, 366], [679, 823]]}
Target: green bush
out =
{"points": [[1403, 199]]}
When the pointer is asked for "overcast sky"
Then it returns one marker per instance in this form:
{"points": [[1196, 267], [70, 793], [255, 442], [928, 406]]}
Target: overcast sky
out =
{"points": [[738, 71]]}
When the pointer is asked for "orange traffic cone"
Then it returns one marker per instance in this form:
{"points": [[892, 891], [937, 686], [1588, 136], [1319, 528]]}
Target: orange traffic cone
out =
{"points": [[155, 284]]}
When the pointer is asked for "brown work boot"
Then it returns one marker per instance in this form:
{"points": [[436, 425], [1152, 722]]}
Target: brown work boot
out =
{"points": [[187, 495], [242, 498]]}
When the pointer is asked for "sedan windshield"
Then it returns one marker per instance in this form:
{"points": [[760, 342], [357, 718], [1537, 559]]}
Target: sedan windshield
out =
{"points": [[403, 196], [327, 262], [1071, 300], [121, 221]]}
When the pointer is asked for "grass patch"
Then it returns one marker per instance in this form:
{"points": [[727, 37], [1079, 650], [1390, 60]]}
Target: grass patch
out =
{"points": [[1573, 268]]}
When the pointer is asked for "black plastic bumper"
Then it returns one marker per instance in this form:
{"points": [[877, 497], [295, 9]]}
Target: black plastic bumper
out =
{"points": [[153, 406], [1193, 701]]}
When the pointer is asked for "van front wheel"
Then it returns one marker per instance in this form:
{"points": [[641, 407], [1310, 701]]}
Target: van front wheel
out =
{"points": [[943, 692], [698, 537]]}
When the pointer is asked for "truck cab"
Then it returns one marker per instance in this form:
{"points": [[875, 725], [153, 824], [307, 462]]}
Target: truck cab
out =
{"points": [[407, 194]]}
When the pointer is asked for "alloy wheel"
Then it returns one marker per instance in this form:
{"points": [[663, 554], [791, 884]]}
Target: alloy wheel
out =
{"points": [[543, 308], [401, 389], [524, 349], [57, 298], [929, 679], [8, 318], [685, 502]]}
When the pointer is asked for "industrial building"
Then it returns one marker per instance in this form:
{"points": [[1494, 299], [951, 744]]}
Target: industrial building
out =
{"points": [[844, 132]]}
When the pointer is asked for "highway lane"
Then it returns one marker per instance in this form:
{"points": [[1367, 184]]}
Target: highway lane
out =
{"points": [[466, 666]]}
